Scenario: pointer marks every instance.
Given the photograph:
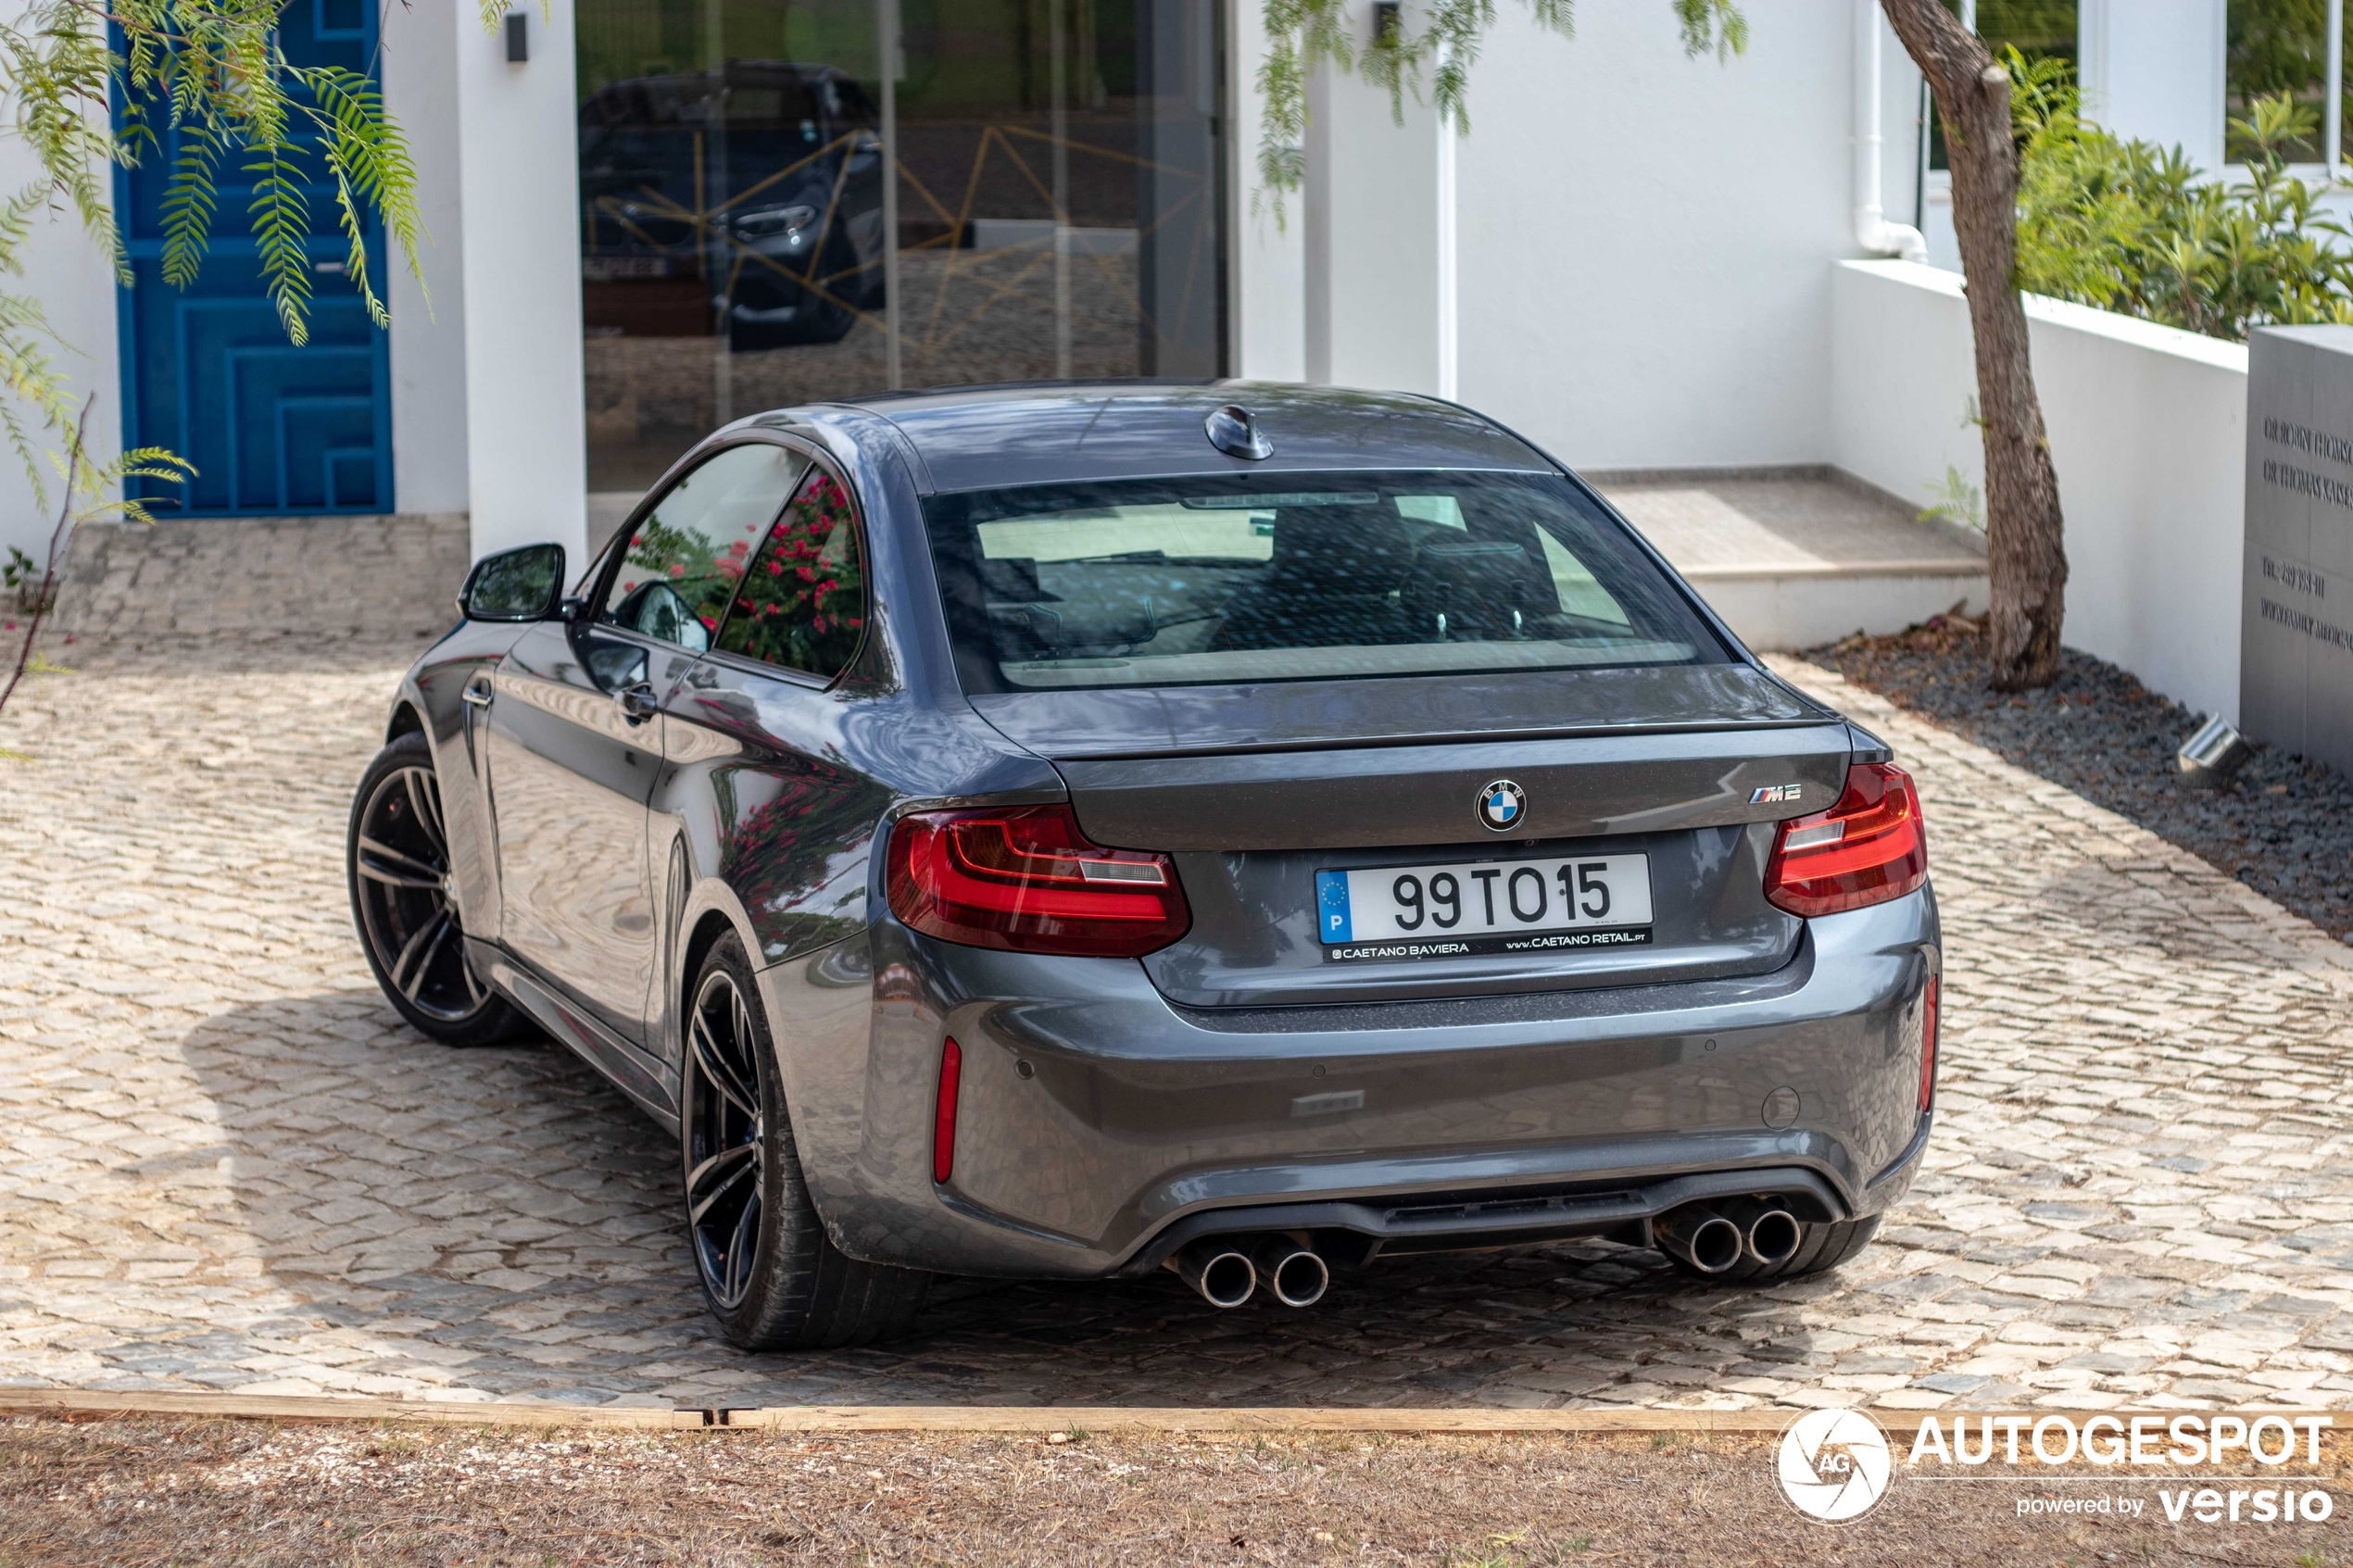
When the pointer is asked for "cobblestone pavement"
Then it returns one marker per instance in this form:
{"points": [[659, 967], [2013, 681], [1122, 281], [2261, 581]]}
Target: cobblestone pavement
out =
{"points": [[224, 1163]]}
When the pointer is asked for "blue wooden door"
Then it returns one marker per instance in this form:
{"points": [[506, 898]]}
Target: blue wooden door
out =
{"points": [[207, 370]]}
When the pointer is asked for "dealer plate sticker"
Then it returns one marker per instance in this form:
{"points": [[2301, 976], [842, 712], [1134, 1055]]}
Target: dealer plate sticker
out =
{"points": [[1484, 907]]}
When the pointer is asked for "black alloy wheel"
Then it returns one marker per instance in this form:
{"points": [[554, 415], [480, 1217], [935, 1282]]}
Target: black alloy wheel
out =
{"points": [[398, 863], [774, 1279], [725, 1130]]}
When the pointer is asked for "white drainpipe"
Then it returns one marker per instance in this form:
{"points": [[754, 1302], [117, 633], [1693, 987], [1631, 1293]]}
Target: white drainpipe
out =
{"points": [[1872, 230]]}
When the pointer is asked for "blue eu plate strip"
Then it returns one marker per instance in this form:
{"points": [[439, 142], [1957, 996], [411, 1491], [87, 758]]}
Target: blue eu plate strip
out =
{"points": [[1331, 906]]}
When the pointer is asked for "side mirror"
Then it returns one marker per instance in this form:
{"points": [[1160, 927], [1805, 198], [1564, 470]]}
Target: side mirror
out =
{"points": [[522, 583]]}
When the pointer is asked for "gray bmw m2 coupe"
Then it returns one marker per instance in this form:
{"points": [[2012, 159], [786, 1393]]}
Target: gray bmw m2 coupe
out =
{"points": [[1071, 830]]}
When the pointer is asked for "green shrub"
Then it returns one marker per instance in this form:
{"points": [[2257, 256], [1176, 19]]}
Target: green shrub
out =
{"points": [[2131, 227]]}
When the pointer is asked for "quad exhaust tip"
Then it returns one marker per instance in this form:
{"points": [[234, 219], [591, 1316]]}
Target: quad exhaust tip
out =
{"points": [[1297, 1275], [1228, 1272], [1223, 1276], [1713, 1240], [1769, 1232], [1773, 1236], [1700, 1237]]}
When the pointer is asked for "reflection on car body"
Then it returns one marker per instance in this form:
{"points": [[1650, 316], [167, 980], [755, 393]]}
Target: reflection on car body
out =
{"points": [[1003, 832]]}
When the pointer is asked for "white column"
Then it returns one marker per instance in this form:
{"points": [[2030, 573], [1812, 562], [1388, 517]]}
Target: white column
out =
{"points": [[2153, 69], [2333, 108], [429, 445], [1265, 267], [518, 135], [1375, 233], [1447, 300], [68, 273], [1316, 203]]}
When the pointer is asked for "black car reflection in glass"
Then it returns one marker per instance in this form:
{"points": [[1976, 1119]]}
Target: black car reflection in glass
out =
{"points": [[749, 196], [1249, 830]]}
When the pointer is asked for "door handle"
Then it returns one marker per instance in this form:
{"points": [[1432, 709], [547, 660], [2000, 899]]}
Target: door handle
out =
{"points": [[478, 692], [638, 703]]}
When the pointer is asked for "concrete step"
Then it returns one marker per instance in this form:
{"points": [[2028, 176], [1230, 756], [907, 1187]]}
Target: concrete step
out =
{"points": [[1796, 558], [365, 578]]}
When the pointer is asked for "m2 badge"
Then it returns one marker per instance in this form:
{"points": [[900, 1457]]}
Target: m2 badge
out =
{"points": [[1775, 795]]}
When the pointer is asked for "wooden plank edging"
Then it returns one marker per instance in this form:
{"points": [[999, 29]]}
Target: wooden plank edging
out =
{"points": [[846, 1419]]}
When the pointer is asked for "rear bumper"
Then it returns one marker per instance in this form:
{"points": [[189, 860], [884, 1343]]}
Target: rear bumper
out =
{"points": [[1099, 1127], [1353, 1231]]}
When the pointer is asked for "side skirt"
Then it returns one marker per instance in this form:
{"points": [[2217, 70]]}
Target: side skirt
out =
{"points": [[636, 1074]]}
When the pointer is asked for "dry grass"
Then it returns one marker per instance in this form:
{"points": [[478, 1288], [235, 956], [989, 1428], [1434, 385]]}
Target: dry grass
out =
{"points": [[156, 1492]]}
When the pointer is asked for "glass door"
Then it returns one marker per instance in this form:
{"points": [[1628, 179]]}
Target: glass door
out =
{"points": [[1033, 192]]}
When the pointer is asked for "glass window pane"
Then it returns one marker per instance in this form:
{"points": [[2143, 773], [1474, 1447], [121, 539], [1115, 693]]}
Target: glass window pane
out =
{"points": [[1057, 181], [2278, 46], [687, 554], [803, 603], [1297, 577], [2040, 30]]}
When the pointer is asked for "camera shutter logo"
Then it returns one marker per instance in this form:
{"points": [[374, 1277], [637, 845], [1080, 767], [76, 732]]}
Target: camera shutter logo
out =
{"points": [[1834, 1464]]}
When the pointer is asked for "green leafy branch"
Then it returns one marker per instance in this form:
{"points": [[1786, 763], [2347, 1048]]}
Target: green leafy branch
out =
{"points": [[208, 76], [1432, 63], [2134, 228]]}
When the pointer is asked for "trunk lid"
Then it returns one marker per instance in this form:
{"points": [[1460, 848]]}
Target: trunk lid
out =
{"points": [[1257, 790]]}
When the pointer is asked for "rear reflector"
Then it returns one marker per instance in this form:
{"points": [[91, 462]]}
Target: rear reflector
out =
{"points": [[943, 1123], [1025, 879], [1869, 848], [1928, 1043]]}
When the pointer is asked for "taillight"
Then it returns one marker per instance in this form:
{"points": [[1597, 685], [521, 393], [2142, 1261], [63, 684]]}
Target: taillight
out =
{"points": [[1928, 1043], [1869, 848], [943, 1122], [1024, 879]]}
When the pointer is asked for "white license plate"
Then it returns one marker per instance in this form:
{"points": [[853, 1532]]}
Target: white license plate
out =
{"points": [[1484, 907]]}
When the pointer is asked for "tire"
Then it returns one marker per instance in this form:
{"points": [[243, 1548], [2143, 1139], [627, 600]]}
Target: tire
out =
{"points": [[397, 861], [1821, 1247], [771, 1278]]}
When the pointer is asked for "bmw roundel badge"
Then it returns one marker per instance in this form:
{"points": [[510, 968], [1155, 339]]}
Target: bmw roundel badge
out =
{"points": [[1501, 806]]}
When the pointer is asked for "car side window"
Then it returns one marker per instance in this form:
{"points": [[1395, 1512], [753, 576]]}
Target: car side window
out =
{"points": [[803, 603], [682, 564]]}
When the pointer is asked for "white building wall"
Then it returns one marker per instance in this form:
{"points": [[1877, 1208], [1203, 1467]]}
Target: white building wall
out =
{"points": [[519, 196], [2149, 436], [428, 447], [1642, 236], [70, 277]]}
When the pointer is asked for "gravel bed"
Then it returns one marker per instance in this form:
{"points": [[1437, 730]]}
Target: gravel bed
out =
{"points": [[159, 1491], [2284, 826]]}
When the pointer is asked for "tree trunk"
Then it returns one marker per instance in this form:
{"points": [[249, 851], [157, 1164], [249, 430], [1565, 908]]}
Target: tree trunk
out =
{"points": [[2025, 542]]}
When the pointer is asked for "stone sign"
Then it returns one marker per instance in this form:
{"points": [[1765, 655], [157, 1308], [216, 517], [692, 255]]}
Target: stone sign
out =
{"points": [[2295, 630]]}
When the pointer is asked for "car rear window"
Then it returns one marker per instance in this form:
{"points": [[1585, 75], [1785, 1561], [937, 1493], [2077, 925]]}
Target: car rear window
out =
{"points": [[1298, 577]]}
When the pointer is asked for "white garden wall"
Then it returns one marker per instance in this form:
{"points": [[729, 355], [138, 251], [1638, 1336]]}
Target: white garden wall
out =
{"points": [[2148, 435]]}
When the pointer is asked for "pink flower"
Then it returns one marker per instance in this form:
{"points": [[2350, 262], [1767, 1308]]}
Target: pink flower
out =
{"points": [[677, 571], [739, 549]]}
